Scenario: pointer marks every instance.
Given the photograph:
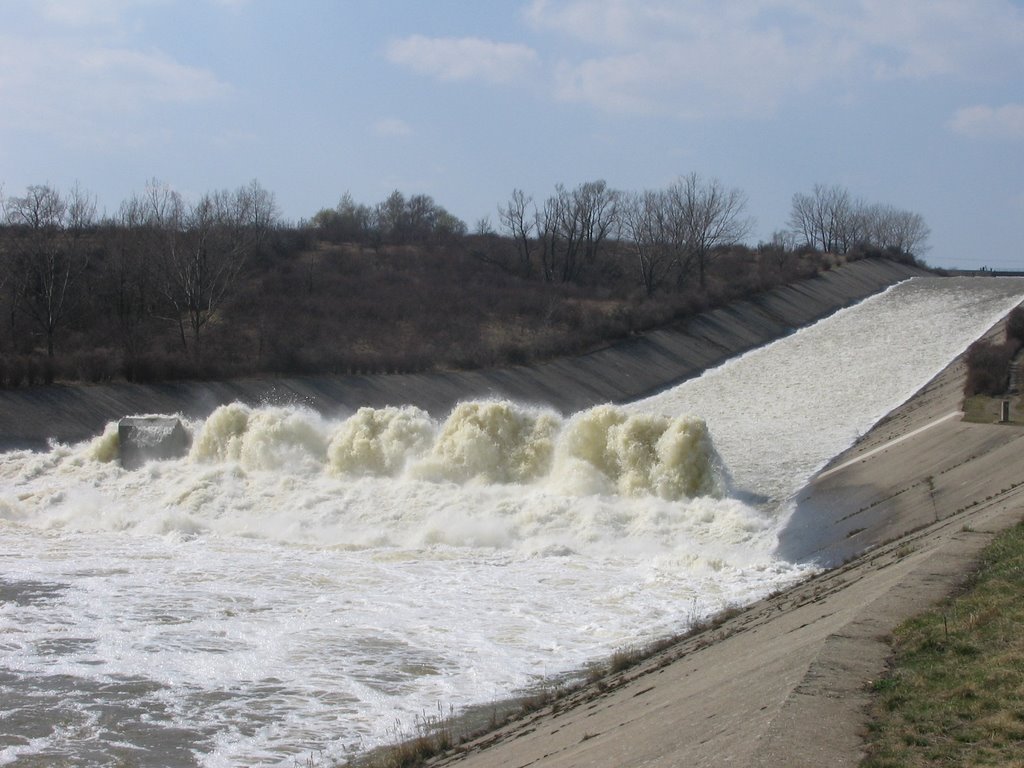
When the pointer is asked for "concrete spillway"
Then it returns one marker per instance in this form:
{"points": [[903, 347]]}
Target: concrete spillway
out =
{"points": [[621, 372]]}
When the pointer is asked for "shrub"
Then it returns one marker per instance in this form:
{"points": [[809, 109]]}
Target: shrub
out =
{"points": [[988, 367], [1015, 325], [97, 365]]}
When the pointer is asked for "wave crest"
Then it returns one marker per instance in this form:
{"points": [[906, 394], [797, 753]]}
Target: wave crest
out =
{"points": [[603, 450]]}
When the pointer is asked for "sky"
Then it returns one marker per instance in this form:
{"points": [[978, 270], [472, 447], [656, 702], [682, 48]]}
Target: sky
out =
{"points": [[917, 104]]}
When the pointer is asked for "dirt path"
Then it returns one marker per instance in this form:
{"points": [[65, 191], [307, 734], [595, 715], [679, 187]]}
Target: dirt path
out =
{"points": [[785, 682]]}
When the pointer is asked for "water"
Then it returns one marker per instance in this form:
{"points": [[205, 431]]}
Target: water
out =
{"points": [[297, 586]]}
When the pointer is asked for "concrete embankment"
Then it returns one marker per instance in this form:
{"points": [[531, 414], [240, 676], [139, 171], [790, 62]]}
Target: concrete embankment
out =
{"points": [[624, 371], [786, 682]]}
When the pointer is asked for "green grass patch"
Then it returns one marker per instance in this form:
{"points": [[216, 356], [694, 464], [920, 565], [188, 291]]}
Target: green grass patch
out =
{"points": [[981, 409], [985, 409], [955, 693]]}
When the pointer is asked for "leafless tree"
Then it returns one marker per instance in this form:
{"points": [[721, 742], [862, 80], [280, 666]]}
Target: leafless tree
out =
{"points": [[655, 235], [257, 210], [711, 216], [200, 250], [129, 275], [49, 253], [889, 228], [822, 219], [572, 228], [418, 218], [521, 227], [829, 220], [910, 233]]}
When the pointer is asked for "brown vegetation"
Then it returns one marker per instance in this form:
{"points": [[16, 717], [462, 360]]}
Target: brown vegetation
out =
{"points": [[988, 363], [170, 289]]}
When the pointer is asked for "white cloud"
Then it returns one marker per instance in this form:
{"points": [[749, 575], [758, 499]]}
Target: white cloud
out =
{"points": [[41, 70], [108, 13], [610, 21], [1004, 122], [134, 77], [464, 58], [64, 87], [393, 127], [700, 57], [80, 13]]}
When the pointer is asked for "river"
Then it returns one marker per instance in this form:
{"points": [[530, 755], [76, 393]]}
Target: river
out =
{"points": [[298, 586]]}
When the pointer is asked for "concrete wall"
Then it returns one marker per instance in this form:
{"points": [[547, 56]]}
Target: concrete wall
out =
{"points": [[624, 371]]}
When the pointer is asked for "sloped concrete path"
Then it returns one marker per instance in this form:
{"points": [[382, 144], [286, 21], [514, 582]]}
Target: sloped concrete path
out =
{"points": [[785, 683]]}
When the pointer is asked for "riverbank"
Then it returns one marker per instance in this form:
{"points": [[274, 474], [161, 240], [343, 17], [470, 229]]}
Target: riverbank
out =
{"points": [[624, 371], [785, 682]]}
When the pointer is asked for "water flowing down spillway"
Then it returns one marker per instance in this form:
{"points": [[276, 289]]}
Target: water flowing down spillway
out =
{"points": [[300, 584]]}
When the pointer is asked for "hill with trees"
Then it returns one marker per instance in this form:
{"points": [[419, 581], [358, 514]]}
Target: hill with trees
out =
{"points": [[220, 287]]}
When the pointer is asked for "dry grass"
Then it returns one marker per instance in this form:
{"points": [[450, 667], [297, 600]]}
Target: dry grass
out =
{"points": [[955, 693]]}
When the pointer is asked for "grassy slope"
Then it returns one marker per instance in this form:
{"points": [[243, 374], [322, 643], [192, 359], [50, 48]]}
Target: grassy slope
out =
{"points": [[955, 694]]}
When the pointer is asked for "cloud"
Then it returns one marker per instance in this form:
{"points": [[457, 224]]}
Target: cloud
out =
{"points": [[464, 58], [68, 88], [392, 127], [82, 13], [122, 78], [700, 57], [1005, 122], [107, 13]]}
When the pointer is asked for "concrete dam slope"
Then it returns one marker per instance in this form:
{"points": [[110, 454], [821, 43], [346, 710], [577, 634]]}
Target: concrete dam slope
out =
{"points": [[787, 681], [621, 372]]}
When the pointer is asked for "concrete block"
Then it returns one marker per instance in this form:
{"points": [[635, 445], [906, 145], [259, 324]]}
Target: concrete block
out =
{"points": [[148, 438]]}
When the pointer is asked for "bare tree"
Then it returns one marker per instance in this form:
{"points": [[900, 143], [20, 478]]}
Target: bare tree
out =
{"points": [[823, 218], [257, 209], [830, 221], [389, 217], [598, 210], [654, 233], [418, 218], [889, 228], [521, 228], [711, 216], [910, 234], [572, 228], [200, 250], [49, 253], [129, 275]]}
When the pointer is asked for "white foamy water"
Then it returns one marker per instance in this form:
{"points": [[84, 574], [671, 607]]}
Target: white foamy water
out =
{"points": [[303, 585]]}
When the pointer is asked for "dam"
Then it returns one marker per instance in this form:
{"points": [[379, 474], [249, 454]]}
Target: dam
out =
{"points": [[306, 583], [624, 371]]}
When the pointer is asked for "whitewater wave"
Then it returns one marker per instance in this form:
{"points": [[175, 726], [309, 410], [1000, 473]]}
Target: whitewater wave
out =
{"points": [[493, 474], [604, 450]]}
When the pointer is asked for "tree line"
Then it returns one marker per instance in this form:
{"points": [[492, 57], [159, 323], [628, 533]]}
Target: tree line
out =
{"points": [[167, 287], [673, 234], [159, 257]]}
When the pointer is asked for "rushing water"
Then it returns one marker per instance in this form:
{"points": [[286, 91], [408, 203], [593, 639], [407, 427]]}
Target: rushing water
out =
{"points": [[298, 585]]}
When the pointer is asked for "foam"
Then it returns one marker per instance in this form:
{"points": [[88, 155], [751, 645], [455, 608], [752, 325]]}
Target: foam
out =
{"points": [[491, 442], [379, 441], [106, 448], [609, 450], [268, 438], [604, 450]]}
